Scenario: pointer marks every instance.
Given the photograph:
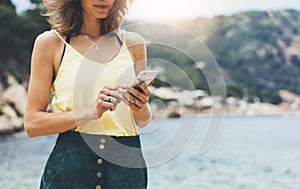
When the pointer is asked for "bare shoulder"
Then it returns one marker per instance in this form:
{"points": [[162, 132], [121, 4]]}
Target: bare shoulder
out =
{"points": [[48, 39], [137, 48], [133, 39]]}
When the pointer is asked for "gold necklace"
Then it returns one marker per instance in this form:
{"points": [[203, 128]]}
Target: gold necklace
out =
{"points": [[94, 44]]}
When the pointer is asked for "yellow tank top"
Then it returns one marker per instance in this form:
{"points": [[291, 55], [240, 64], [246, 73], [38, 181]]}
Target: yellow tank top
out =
{"points": [[79, 81]]}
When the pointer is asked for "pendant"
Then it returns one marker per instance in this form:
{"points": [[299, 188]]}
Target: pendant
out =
{"points": [[97, 48]]}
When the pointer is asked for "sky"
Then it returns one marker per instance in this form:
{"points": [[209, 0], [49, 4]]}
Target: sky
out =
{"points": [[163, 9]]}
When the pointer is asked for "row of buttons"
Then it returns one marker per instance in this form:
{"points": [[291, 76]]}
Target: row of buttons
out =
{"points": [[99, 161], [102, 141]]}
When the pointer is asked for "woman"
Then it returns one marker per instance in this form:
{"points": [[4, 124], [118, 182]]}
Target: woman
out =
{"points": [[98, 144]]}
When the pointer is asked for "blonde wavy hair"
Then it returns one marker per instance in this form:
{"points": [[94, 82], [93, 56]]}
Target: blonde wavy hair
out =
{"points": [[65, 16]]}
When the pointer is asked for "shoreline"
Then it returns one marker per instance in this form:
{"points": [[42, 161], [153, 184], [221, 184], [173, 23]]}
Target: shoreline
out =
{"points": [[232, 115], [255, 109]]}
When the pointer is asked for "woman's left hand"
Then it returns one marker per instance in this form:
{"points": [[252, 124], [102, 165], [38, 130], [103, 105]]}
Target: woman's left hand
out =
{"points": [[135, 99]]}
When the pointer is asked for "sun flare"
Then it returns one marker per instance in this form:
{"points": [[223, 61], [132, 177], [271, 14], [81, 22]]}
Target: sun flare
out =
{"points": [[163, 9]]}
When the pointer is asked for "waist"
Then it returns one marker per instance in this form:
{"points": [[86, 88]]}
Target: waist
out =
{"points": [[120, 122], [123, 151], [78, 138]]}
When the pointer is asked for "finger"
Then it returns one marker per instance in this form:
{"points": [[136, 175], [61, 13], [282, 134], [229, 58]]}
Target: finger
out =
{"points": [[151, 82], [144, 87], [112, 99], [127, 95], [115, 101], [105, 105], [111, 92], [139, 104], [140, 96], [111, 88], [109, 99], [115, 93], [125, 100], [118, 99], [106, 91], [103, 97], [133, 106], [132, 98]]}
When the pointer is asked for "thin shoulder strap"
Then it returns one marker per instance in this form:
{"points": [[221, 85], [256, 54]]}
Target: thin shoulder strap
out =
{"points": [[123, 36], [60, 37], [67, 41], [119, 40], [120, 34]]}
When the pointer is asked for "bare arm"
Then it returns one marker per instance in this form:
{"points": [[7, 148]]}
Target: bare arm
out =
{"points": [[141, 109], [37, 121]]}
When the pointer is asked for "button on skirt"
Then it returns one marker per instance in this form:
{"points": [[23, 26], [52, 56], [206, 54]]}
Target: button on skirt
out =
{"points": [[83, 161]]}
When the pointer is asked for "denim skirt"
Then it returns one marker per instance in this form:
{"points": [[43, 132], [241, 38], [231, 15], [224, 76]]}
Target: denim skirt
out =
{"points": [[84, 161]]}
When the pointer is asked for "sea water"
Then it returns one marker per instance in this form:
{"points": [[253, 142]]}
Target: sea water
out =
{"points": [[256, 152]]}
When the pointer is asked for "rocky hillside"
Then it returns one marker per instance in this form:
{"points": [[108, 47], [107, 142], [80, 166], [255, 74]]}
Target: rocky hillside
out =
{"points": [[257, 51], [12, 106], [260, 51]]}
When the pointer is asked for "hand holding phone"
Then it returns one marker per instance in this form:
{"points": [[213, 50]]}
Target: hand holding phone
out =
{"points": [[146, 76], [133, 98]]}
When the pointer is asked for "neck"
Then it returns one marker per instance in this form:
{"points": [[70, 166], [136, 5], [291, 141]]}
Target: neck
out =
{"points": [[91, 27]]}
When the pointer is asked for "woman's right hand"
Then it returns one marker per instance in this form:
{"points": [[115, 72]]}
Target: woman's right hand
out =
{"points": [[107, 99]]}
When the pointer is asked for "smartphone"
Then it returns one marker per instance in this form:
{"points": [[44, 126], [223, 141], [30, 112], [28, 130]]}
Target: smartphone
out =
{"points": [[146, 76]]}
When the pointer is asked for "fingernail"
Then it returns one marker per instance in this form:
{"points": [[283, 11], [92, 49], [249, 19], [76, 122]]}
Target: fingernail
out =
{"points": [[122, 90], [121, 96]]}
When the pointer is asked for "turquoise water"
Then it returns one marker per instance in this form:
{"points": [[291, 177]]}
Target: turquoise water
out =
{"points": [[260, 152]]}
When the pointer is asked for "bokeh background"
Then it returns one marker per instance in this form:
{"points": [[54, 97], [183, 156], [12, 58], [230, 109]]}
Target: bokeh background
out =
{"points": [[257, 47]]}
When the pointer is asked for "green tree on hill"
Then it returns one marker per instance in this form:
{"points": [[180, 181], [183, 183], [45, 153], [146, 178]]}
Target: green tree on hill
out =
{"points": [[257, 51], [17, 36]]}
